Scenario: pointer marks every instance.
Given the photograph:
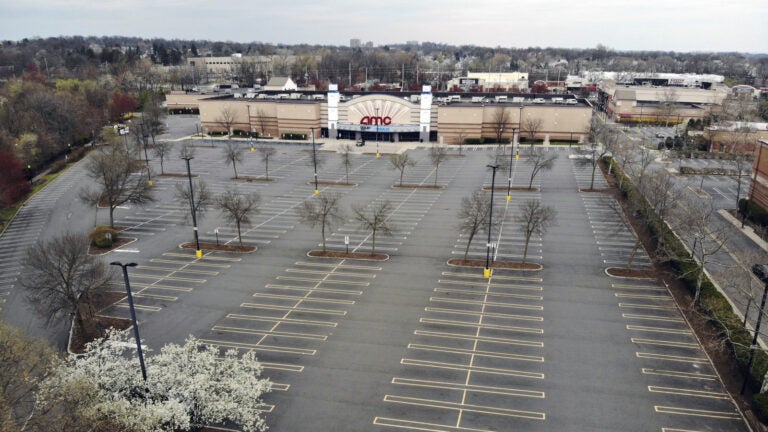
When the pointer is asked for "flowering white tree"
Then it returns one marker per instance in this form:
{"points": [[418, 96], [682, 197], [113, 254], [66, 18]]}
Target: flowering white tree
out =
{"points": [[187, 385]]}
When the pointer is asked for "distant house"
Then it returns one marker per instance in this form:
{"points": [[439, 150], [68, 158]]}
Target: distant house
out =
{"points": [[281, 84]]}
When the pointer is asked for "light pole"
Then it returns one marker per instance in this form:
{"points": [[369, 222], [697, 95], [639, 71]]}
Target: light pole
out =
{"points": [[144, 134], [314, 160], [198, 251], [133, 315], [761, 271], [378, 155], [511, 158], [487, 271]]}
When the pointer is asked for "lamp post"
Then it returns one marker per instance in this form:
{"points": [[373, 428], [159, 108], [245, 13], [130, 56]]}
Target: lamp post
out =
{"points": [[487, 271], [144, 135], [133, 315], [314, 160], [511, 158], [198, 251], [378, 155], [761, 271]]}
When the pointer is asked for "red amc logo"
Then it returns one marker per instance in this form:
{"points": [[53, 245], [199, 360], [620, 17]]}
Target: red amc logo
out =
{"points": [[373, 120]]}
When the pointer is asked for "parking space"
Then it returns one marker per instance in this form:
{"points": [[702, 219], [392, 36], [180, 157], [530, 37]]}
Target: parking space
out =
{"points": [[475, 361], [682, 383], [618, 245]]}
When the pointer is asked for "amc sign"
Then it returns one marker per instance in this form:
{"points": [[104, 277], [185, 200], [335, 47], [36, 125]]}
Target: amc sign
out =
{"points": [[373, 120]]}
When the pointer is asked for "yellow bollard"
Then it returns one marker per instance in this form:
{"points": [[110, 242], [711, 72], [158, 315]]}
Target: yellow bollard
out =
{"points": [[199, 253], [317, 192], [509, 197], [149, 182], [487, 273]]}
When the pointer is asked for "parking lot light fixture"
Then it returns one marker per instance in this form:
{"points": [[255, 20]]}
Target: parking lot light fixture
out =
{"points": [[133, 315], [198, 251], [487, 271], [761, 272], [314, 160]]}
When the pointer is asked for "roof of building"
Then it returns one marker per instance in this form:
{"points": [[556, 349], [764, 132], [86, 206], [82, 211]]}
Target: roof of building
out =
{"points": [[278, 81]]}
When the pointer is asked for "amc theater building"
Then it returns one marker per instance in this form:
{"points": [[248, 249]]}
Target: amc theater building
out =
{"points": [[397, 116]]}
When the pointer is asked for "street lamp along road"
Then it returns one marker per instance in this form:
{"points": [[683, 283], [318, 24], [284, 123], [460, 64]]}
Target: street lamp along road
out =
{"points": [[133, 315], [487, 271], [198, 251]]}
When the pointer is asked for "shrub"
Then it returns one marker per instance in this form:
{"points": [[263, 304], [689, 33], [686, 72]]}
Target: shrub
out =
{"points": [[103, 236], [294, 136], [760, 406], [474, 140]]}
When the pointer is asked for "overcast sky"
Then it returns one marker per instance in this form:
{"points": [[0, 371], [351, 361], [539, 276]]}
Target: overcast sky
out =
{"points": [[667, 25]]}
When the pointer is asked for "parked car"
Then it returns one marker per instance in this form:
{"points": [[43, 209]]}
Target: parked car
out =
{"points": [[360, 143]]}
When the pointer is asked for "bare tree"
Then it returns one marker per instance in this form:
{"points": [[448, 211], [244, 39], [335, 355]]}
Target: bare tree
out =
{"points": [[473, 216], [741, 161], [438, 154], [534, 218], [226, 119], [261, 120], [91, 197], [346, 159], [695, 219], [499, 121], [162, 149], [238, 208], [401, 161], [374, 219], [531, 127], [186, 151], [232, 155], [113, 171], [668, 103], [461, 137], [62, 279], [203, 198], [153, 117], [266, 153], [540, 161], [322, 210]]}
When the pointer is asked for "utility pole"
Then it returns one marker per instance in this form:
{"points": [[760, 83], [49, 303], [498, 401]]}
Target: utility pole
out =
{"points": [[487, 271]]}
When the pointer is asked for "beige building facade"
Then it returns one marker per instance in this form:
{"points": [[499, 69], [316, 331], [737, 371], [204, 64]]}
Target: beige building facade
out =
{"points": [[389, 117]]}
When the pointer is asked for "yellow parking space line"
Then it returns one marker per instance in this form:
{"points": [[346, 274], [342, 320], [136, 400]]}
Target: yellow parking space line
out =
{"points": [[642, 306], [154, 286], [658, 330], [480, 276], [490, 294], [169, 278], [472, 388], [140, 307], [258, 347], [652, 317], [688, 392], [665, 343], [323, 280], [479, 283], [421, 426], [280, 387], [342, 266], [190, 263], [479, 353], [473, 369], [484, 303], [283, 320], [293, 309], [498, 340], [319, 290], [333, 273], [484, 314], [481, 326], [644, 296], [677, 374], [681, 359], [697, 413], [239, 330], [205, 257], [304, 299], [639, 287], [180, 270], [156, 296], [479, 409]]}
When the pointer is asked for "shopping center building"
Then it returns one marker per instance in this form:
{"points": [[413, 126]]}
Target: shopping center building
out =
{"points": [[448, 118]]}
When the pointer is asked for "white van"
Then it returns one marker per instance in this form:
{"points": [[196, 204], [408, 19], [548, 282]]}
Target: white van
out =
{"points": [[538, 101]]}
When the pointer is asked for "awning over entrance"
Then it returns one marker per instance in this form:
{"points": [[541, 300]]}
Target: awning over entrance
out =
{"points": [[372, 128]]}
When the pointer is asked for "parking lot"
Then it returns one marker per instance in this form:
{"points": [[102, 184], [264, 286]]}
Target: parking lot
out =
{"points": [[413, 343]]}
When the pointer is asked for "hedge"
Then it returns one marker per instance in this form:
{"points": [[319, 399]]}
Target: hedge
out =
{"points": [[294, 136], [711, 301]]}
